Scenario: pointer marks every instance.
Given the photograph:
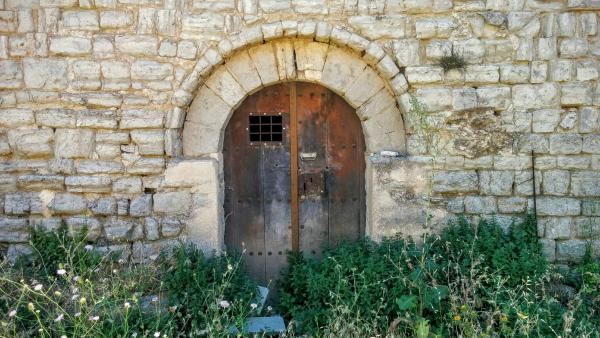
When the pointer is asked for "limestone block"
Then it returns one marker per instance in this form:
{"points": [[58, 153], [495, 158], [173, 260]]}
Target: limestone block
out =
{"points": [[17, 204], [437, 49], [103, 47], [573, 48], [11, 74], [424, 74], [66, 203], [98, 167], [495, 97], [151, 228], [13, 230], [225, 86], [73, 143], [88, 183], [571, 250], [545, 120], [310, 6], [115, 69], [16, 117], [167, 22], [576, 93], [558, 206], [472, 50], [565, 144], [146, 166], [112, 138], [208, 109], [567, 23], [142, 206], [41, 182], [105, 119], [242, 68], [149, 142], [374, 28], [76, 224], [480, 205], [464, 99], [514, 73], [141, 118], [482, 74], [137, 44], [172, 202], [536, 96], [45, 73], [115, 19], [284, 55], [150, 70], [436, 99], [539, 71], [561, 70], [119, 230], [272, 6], [127, 185], [341, 70], [512, 205], [455, 181], [8, 21], [573, 162], [533, 142], [310, 58], [587, 70], [171, 227], [585, 183], [208, 25], [497, 183], [80, 20], [556, 182], [524, 51], [591, 144], [104, 206], [197, 174], [556, 227], [30, 142], [406, 52], [376, 105], [525, 24], [367, 84]]}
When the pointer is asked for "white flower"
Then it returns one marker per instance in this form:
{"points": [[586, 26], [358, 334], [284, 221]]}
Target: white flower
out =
{"points": [[61, 272], [253, 306], [38, 287], [12, 313], [154, 299], [88, 247], [75, 279], [77, 314], [94, 318], [59, 318], [157, 334], [224, 304], [63, 336], [115, 270], [134, 334], [127, 305], [229, 267], [74, 297], [269, 308]]}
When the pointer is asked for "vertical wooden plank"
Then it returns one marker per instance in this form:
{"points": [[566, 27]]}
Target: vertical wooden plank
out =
{"points": [[294, 168]]}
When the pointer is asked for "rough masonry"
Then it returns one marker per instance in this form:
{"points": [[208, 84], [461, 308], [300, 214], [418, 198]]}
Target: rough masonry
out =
{"points": [[112, 111]]}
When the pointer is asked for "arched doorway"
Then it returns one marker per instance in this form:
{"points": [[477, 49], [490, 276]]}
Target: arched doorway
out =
{"points": [[294, 171]]}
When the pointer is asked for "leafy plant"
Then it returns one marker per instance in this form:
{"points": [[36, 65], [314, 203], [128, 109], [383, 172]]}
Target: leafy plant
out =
{"points": [[452, 61]]}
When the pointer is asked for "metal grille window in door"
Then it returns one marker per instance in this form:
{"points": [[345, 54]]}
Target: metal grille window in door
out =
{"points": [[265, 128]]}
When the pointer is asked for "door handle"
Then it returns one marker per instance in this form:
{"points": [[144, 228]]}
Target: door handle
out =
{"points": [[308, 156]]}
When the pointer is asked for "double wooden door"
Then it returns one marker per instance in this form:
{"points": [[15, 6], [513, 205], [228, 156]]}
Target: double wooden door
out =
{"points": [[294, 171]]}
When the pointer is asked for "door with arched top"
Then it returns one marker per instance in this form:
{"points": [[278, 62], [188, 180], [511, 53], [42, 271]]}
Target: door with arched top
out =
{"points": [[294, 166]]}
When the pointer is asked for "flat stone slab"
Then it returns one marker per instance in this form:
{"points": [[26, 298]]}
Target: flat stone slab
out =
{"points": [[262, 325]]}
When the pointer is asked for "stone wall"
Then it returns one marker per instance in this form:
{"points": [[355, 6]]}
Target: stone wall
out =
{"points": [[94, 96]]}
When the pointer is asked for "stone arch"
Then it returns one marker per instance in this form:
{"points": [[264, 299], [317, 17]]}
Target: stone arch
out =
{"points": [[351, 66], [339, 69]]}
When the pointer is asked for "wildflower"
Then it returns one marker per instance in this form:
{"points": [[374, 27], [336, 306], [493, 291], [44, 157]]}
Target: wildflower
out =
{"points": [[74, 297], [224, 304], [93, 318], [75, 279], [30, 307], [115, 271], [57, 293], [134, 334], [88, 247], [522, 315], [269, 308], [77, 314], [82, 300], [154, 299], [12, 313], [38, 287], [63, 336], [61, 272], [172, 308], [457, 318], [503, 318], [253, 306], [156, 334], [121, 261], [229, 267], [127, 305], [59, 318]]}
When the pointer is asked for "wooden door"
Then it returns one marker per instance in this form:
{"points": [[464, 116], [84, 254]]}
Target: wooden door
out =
{"points": [[294, 175]]}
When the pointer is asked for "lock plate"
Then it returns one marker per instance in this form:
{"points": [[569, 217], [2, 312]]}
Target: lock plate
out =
{"points": [[311, 184]]}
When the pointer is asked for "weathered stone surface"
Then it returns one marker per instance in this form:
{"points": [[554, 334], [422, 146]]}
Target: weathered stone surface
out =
{"points": [[65, 203], [171, 227], [137, 45], [98, 167], [119, 230], [570, 250], [536, 96], [16, 117], [70, 45], [127, 185], [45, 73], [497, 183], [13, 230], [585, 183], [140, 118], [172, 202], [104, 206], [141, 206], [455, 181], [88, 183], [565, 144], [78, 224], [11, 74], [480, 205], [150, 70], [555, 182], [556, 227], [558, 206], [41, 182], [73, 143]]}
